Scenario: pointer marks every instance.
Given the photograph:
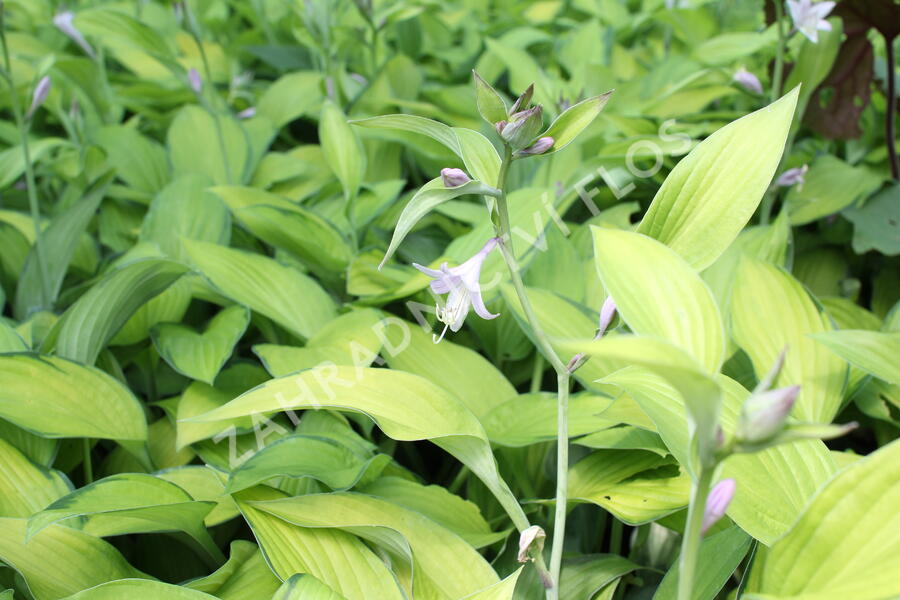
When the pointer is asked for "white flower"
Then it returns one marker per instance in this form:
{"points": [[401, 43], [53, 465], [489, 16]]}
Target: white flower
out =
{"points": [[65, 22], [748, 81], [461, 284], [809, 18]]}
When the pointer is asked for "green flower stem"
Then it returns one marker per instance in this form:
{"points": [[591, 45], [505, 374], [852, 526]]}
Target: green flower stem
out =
{"points": [[779, 52], [88, 465], [33, 204], [690, 545], [562, 457]]}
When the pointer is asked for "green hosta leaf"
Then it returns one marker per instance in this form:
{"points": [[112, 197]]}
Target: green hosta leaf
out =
{"points": [[843, 546], [197, 399], [138, 161], [72, 400], [566, 127], [195, 146], [405, 406], [201, 356], [338, 559], [454, 567], [830, 186], [140, 589], [448, 510], [25, 487], [94, 319], [59, 241], [80, 560], [343, 152], [116, 29], [244, 575], [414, 124], [720, 554], [490, 104], [872, 351], [626, 437], [708, 197], [290, 96], [502, 590], [531, 418], [10, 341], [469, 376], [12, 159], [584, 576], [39, 449], [169, 306], [320, 458], [876, 226], [305, 587], [285, 295], [288, 226], [205, 485], [424, 201], [659, 294], [771, 311], [131, 503]]}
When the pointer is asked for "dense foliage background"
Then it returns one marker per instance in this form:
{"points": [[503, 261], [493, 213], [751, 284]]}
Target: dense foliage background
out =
{"points": [[201, 208]]}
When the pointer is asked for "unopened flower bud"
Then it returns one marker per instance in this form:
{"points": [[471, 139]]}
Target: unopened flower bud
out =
{"points": [[499, 126], [41, 90], [748, 81], [794, 176], [717, 503], [454, 177], [539, 147], [247, 113], [522, 101], [523, 127], [195, 80], [607, 314], [764, 414], [65, 22], [531, 543]]}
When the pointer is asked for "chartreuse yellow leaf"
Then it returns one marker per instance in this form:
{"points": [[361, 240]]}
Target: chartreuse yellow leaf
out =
{"points": [[26, 487], [72, 400], [305, 587], [139, 589], [79, 560], [502, 590], [845, 544], [659, 294], [405, 406], [343, 152], [771, 311], [453, 566], [131, 503], [338, 559], [711, 193], [875, 352], [244, 575]]}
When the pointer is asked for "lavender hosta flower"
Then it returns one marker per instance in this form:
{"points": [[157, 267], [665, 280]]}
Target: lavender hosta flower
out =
{"points": [[809, 17], [65, 22], [41, 90], [748, 81], [539, 147], [463, 289], [195, 81], [531, 542], [247, 113], [717, 503], [794, 176], [452, 178], [764, 414]]}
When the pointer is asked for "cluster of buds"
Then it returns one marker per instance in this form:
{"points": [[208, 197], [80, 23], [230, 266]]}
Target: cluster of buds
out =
{"points": [[518, 126]]}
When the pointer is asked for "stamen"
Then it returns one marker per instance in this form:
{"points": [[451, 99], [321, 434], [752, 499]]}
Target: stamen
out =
{"points": [[435, 338]]}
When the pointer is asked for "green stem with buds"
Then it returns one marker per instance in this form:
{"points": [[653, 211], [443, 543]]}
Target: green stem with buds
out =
{"points": [[503, 231], [690, 544]]}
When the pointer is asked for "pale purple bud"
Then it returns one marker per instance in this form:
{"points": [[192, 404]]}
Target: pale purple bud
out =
{"points": [[65, 22], [717, 503], [454, 177], [195, 80], [523, 127], [794, 176], [539, 147], [531, 542], [764, 414], [748, 81], [41, 90], [359, 78], [247, 113], [499, 126], [607, 314]]}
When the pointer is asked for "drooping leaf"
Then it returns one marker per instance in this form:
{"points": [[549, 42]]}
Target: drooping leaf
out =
{"points": [[872, 351], [25, 487], [244, 575]]}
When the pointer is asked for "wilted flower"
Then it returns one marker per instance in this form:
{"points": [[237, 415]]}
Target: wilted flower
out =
{"points": [[454, 177], [247, 113], [461, 284], [195, 80], [539, 147], [809, 18], [717, 503], [794, 176], [41, 90], [65, 22], [764, 414], [531, 541], [748, 81]]}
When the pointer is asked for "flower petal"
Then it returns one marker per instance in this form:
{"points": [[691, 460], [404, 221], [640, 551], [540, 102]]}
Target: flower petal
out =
{"points": [[480, 309]]}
